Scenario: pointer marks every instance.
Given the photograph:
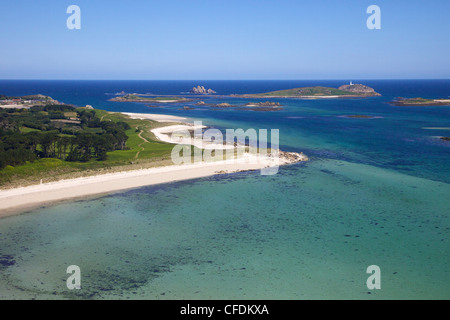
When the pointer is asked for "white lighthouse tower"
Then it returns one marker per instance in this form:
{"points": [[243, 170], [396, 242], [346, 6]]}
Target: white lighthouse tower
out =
{"points": [[351, 83]]}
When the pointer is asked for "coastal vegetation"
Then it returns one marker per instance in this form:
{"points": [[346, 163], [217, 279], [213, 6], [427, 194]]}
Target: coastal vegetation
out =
{"points": [[57, 131], [53, 141]]}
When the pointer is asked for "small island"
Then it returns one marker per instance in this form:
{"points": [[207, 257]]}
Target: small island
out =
{"points": [[142, 98], [414, 102], [263, 104], [202, 90], [445, 139], [344, 91]]}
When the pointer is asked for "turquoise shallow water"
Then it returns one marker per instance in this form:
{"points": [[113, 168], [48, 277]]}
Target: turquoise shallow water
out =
{"points": [[376, 192], [238, 237]]}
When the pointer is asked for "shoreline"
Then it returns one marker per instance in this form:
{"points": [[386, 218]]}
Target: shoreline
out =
{"points": [[19, 200], [156, 117]]}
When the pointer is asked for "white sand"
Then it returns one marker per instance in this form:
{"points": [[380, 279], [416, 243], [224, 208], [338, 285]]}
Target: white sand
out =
{"points": [[319, 97], [13, 201], [179, 134], [16, 200], [156, 117]]}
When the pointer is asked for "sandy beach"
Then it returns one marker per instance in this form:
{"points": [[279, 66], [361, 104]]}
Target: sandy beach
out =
{"points": [[156, 117], [18, 200]]}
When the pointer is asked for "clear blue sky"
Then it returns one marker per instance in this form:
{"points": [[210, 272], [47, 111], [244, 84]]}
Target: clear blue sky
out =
{"points": [[224, 39]]}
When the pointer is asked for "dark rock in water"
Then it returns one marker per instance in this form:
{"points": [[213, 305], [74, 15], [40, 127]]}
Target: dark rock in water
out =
{"points": [[7, 261], [445, 138], [222, 105]]}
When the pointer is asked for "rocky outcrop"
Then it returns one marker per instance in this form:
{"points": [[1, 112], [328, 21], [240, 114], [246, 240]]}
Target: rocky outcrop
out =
{"points": [[222, 105], [202, 90], [360, 89], [293, 157]]}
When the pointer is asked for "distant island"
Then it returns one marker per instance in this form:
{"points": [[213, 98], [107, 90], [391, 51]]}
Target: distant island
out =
{"points": [[202, 90], [344, 91], [413, 102], [141, 98]]}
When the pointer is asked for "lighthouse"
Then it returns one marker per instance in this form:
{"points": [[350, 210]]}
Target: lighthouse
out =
{"points": [[351, 83]]}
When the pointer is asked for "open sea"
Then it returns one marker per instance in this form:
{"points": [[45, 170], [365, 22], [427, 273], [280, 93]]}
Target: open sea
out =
{"points": [[376, 191]]}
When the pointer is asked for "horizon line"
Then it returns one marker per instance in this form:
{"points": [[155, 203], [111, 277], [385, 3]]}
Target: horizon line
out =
{"points": [[335, 79]]}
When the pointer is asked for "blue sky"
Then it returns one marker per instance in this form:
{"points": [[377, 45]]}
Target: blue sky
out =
{"points": [[224, 39]]}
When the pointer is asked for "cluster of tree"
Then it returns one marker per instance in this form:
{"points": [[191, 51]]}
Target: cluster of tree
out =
{"points": [[50, 141], [38, 117], [15, 150]]}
